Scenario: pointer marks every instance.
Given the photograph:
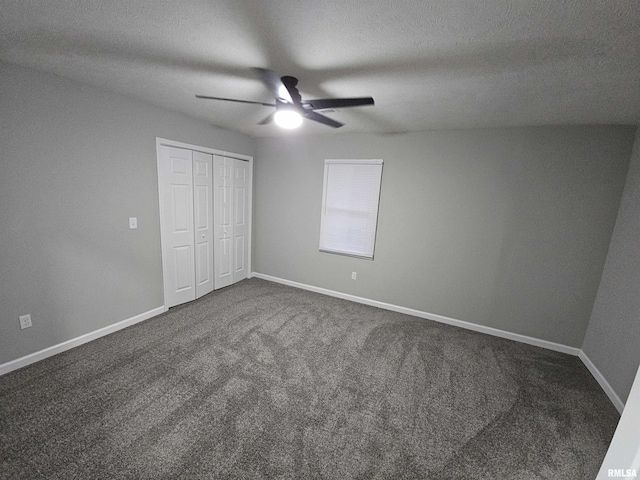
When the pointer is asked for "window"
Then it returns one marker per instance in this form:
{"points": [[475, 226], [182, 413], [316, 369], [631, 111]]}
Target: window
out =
{"points": [[350, 207]]}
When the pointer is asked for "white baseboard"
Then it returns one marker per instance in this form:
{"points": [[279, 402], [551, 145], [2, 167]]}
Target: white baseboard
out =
{"points": [[558, 347], [74, 342], [613, 396]]}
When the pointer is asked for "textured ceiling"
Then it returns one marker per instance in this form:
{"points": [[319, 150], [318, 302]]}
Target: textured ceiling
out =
{"points": [[427, 63]]}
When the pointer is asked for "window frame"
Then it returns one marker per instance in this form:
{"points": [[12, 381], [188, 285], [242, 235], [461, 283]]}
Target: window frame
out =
{"points": [[371, 215]]}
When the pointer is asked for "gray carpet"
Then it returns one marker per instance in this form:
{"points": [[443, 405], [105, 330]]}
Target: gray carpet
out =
{"points": [[260, 380]]}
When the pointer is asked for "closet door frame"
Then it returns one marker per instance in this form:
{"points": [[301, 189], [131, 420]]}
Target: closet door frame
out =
{"points": [[197, 148]]}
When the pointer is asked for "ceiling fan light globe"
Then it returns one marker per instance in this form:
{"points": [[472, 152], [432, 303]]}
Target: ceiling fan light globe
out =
{"points": [[288, 119]]}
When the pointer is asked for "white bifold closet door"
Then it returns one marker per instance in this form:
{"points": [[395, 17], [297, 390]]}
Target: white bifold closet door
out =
{"points": [[203, 218], [231, 185], [185, 181]]}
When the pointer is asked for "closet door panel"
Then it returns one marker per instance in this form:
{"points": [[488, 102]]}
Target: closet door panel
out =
{"points": [[222, 219], [240, 219], [183, 278], [203, 217], [175, 182]]}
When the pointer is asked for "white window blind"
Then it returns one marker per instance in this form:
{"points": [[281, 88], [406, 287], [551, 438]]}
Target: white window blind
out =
{"points": [[350, 206]]}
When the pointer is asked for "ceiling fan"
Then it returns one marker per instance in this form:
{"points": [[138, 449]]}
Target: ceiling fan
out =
{"points": [[290, 108]]}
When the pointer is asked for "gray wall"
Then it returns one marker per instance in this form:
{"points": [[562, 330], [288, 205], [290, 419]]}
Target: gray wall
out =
{"points": [[507, 228], [611, 342], [76, 162]]}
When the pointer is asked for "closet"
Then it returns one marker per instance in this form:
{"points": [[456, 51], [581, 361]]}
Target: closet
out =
{"points": [[204, 221]]}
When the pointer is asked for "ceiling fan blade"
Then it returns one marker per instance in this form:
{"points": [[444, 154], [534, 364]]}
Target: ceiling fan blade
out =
{"points": [[274, 85], [316, 117], [267, 120], [321, 103], [234, 100]]}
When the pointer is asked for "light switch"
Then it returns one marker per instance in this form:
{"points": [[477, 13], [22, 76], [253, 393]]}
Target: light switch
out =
{"points": [[133, 222]]}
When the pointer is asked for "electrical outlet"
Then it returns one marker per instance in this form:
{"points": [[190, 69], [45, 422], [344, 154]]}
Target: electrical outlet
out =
{"points": [[353, 275], [25, 321]]}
